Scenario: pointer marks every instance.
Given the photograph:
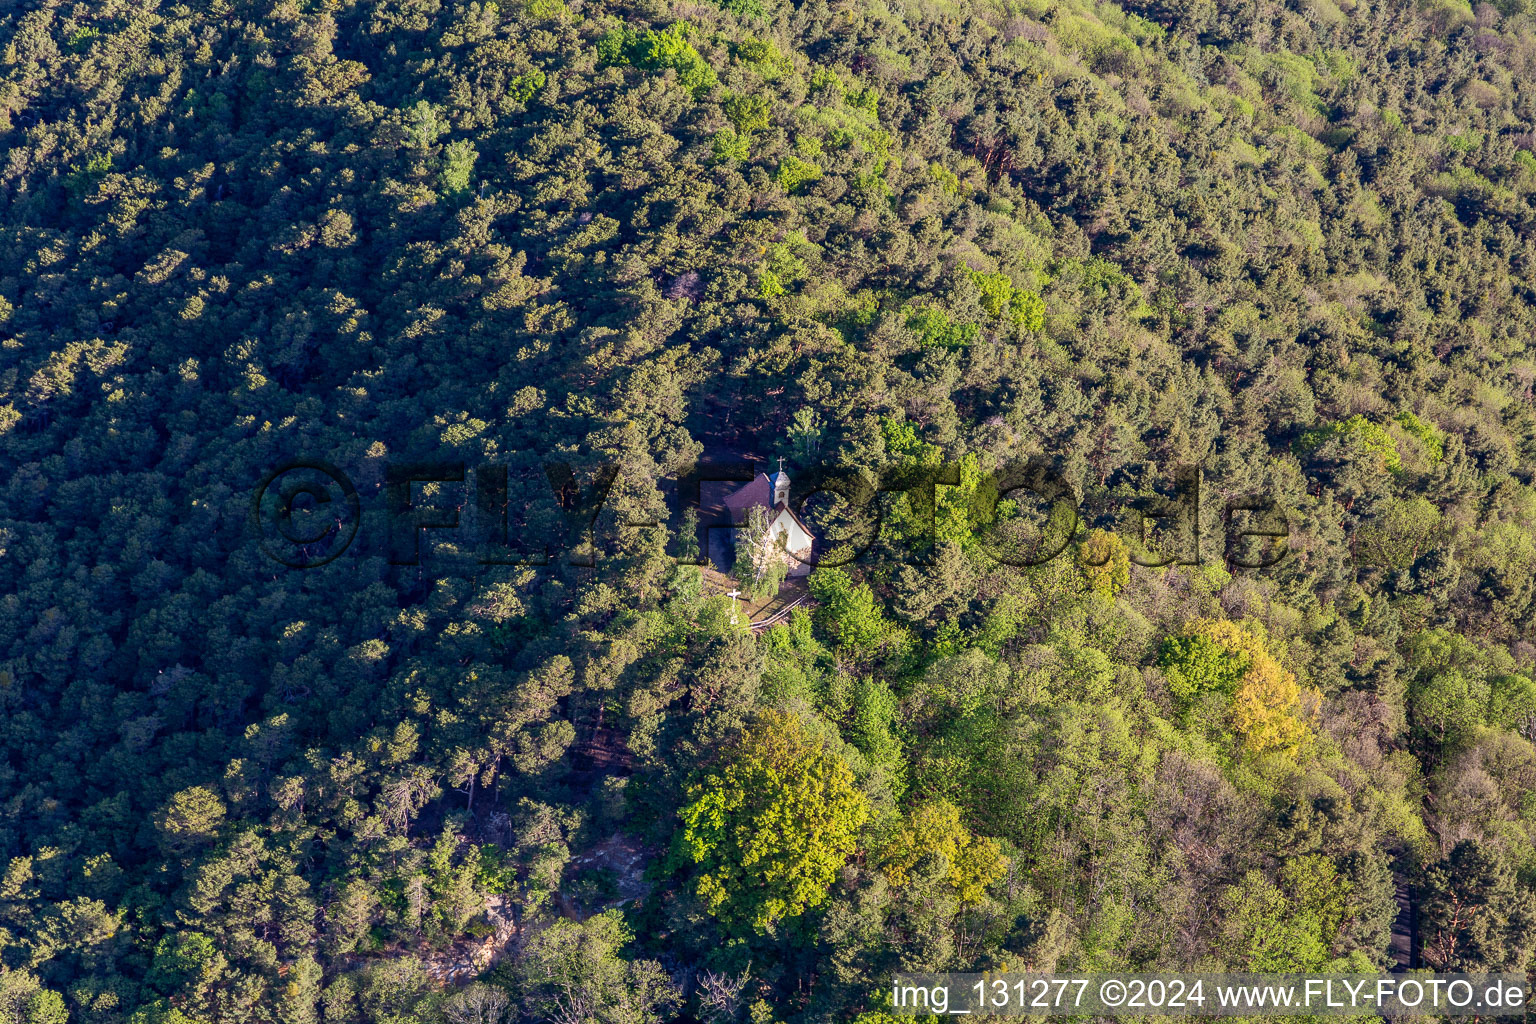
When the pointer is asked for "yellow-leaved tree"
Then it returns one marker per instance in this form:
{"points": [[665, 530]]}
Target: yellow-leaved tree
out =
{"points": [[935, 828], [1105, 562], [1270, 710]]}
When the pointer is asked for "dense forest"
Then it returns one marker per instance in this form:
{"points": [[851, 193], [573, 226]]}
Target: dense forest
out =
{"points": [[1288, 246]]}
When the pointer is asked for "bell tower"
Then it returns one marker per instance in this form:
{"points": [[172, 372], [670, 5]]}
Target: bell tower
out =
{"points": [[780, 483]]}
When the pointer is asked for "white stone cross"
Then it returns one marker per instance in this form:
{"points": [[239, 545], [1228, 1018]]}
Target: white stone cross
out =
{"points": [[734, 594]]}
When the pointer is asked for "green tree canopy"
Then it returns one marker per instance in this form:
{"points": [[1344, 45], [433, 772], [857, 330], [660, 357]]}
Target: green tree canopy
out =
{"points": [[766, 832]]}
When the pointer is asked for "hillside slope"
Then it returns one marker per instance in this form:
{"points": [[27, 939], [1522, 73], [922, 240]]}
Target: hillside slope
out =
{"points": [[1290, 245]]}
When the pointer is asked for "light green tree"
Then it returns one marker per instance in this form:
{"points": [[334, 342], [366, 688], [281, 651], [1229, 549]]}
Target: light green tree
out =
{"points": [[849, 612], [767, 831], [1292, 926], [760, 558], [192, 817], [573, 971]]}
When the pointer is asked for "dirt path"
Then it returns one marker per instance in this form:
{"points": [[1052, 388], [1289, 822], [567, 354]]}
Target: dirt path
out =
{"points": [[1404, 946]]}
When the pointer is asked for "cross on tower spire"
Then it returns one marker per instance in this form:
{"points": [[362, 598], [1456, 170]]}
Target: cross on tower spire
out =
{"points": [[779, 483]]}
